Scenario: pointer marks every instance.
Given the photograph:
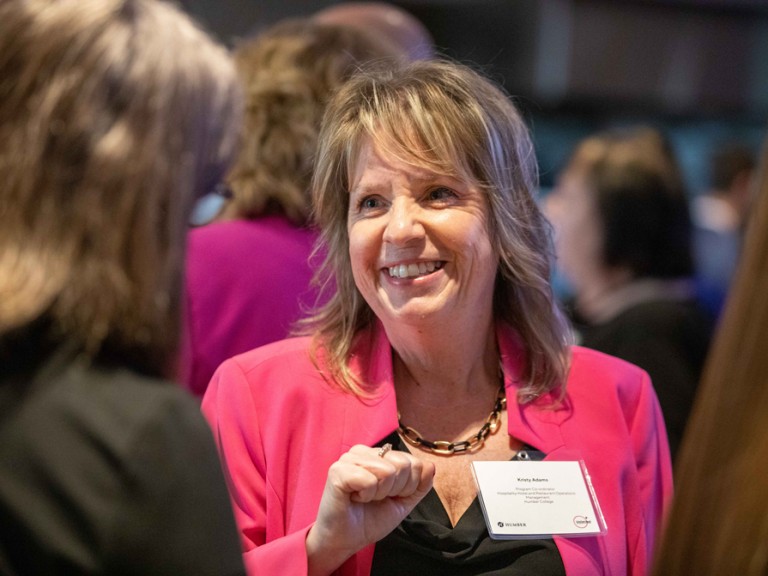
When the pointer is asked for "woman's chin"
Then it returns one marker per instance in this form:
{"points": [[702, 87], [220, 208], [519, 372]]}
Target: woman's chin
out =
{"points": [[413, 313]]}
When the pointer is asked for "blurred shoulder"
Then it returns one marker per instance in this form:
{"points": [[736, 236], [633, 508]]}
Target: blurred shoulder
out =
{"points": [[235, 231], [593, 372], [282, 354], [224, 246], [584, 358], [288, 363], [95, 415]]}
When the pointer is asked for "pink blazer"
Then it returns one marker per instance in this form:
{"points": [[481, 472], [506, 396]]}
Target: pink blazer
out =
{"points": [[279, 426]]}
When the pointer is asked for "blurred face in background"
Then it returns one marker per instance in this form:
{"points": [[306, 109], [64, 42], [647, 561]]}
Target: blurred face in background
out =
{"points": [[572, 209]]}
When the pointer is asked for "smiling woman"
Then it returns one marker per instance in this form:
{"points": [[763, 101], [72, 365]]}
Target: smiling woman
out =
{"points": [[443, 341], [415, 239]]}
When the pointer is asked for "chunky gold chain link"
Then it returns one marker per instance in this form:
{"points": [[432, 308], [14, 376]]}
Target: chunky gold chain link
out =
{"points": [[471, 444]]}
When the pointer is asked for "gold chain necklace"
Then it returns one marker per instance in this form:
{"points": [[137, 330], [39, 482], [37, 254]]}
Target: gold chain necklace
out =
{"points": [[471, 444]]}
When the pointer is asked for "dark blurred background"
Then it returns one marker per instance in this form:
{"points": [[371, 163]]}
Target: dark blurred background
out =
{"points": [[696, 68]]}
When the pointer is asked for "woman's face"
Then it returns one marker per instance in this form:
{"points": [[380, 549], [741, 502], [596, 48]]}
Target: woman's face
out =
{"points": [[418, 243], [572, 209]]}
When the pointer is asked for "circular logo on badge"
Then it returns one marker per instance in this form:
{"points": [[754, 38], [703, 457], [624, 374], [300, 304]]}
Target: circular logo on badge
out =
{"points": [[581, 521]]}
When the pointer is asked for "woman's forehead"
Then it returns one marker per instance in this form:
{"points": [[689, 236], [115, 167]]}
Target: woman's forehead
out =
{"points": [[372, 156], [407, 149]]}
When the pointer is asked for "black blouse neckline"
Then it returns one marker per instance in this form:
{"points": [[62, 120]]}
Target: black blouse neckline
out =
{"points": [[426, 543]]}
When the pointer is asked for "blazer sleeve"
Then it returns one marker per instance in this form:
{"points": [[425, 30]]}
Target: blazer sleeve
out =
{"points": [[654, 468], [229, 406]]}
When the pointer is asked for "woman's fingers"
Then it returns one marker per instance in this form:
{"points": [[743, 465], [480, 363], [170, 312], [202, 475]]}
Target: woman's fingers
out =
{"points": [[370, 477], [356, 482], [402, 482]]}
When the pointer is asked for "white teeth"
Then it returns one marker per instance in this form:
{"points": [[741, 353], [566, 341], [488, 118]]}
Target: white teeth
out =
{"points": [[413, 270]]}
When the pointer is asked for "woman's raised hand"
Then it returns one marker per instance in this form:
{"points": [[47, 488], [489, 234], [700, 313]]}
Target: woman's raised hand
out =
{"points": [[367, 494]]}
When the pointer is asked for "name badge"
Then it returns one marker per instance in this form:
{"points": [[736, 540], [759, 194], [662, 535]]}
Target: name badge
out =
{"points": [[537, 499]]}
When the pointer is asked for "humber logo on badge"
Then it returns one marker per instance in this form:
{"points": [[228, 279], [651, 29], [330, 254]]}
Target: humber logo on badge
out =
{"points": [[512, 524]]}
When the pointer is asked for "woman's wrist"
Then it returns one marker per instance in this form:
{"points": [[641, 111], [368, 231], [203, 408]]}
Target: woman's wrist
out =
{"points": [[323, 559]]}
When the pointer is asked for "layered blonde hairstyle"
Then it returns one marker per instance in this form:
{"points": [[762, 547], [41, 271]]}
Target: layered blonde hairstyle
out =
{"points": [[289, 72], [114, 116], [447, 118]]}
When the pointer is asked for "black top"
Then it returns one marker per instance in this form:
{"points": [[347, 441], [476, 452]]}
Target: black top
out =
{"points": [[425, 543], [106, 471], [670, 340]]}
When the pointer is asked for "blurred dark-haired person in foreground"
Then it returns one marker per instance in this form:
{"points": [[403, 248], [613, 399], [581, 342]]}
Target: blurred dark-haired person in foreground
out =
{"points": [[114, 116], [351, 450], [718, 523], [623, 238]]}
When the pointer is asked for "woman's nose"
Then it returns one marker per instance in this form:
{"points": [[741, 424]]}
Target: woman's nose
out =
{"points": [[404, 222]]}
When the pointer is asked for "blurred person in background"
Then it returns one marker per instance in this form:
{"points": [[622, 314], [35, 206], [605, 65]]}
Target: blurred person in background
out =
{"points": [[249, 272], [394, 25], [114, 116], [623, 241], [718, 523], [719, 217]]}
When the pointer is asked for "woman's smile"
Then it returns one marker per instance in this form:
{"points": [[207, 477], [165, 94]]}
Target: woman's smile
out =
{"points": [[414, 270]]}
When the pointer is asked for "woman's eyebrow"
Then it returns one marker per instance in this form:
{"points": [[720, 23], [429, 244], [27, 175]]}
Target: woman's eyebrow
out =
{"points": [[372, 188]]}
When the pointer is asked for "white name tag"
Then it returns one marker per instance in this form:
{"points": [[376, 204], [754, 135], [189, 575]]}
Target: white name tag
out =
{"points": [[537, 499]]}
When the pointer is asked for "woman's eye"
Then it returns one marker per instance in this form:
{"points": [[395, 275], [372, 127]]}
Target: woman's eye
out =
{"points": [[369, 203], [441, 193]]}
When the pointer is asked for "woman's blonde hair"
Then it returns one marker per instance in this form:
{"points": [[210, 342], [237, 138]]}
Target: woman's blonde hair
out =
{"points": [[114, 116], [289, 72], [447, 118]]}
